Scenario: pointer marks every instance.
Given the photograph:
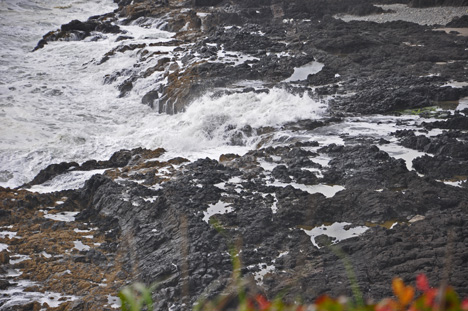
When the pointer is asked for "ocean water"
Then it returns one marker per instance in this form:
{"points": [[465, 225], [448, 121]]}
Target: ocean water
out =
{"points": [[55, 106]]}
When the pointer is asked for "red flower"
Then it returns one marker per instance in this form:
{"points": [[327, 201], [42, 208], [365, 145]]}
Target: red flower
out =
{"points": [[464, 304], [322, 299], [429, 297], [263, 303], [422, 283]]}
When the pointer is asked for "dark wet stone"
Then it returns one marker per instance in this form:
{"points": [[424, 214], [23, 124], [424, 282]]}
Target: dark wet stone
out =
{"points": [[457, 122], [459, 22], [125, 88], [432, 3], [4, 284], [150, 98], [206, 2], [281, 173], [324, 240], [78, 25], [51, 171], [32, 306]]}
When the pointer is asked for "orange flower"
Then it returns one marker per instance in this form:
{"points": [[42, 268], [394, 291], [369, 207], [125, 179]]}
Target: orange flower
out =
{"points": [[398, 286], [404, 293]]}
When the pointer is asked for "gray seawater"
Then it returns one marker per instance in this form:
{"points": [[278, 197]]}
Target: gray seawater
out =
{"points": [[36, 89], [55, 107]]}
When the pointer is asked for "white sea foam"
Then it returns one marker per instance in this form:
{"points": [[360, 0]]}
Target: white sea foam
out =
{"points": [[233, 57], [114, 302], [336, 230], [45, 254], [264, 269], [15, 295], [214, 209], [55, 107], [62, 216], [327, 190], [301, 73], [463, 103], [373, 126], [14, 259], [8, 234], [85, 120], [80, 246], [453, 183], [209, 121]]}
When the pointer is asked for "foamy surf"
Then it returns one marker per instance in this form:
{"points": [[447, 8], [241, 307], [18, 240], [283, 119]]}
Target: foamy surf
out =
{"points": [[206, 128], [56, 107]]}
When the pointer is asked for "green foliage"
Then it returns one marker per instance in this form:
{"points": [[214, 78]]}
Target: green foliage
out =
{"points": [[136, 297], [425, 111]]}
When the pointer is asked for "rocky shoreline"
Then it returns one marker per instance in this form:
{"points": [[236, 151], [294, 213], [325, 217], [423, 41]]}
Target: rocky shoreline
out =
{"points": [[143, 217]]}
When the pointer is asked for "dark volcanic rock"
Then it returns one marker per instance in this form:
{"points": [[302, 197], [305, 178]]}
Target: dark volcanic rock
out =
{"points": [[171, 232], [431, 3], [4, 284], [380, 96], [365, 167], [206, 2], [51, 171], [395, 256], [118, 159], [173, 243], [449, 150], [76, 25], [441, 167], [365, 9], [457, 122], [78, 30], [459, 22], [150, 98]]}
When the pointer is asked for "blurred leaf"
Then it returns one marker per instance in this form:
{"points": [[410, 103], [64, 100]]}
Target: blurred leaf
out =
{"points": [[422, 283]]}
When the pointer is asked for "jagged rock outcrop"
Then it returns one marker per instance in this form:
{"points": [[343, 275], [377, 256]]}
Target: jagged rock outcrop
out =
{"points": [[432, 3]]}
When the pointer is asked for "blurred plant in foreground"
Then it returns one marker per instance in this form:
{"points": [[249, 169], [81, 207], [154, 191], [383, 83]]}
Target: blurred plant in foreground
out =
{"points": [[135, 297], [405, 299]]}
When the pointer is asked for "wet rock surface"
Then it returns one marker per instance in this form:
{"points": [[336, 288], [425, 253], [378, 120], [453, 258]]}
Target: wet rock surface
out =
{"points": [[172, 222], [177, 229]]}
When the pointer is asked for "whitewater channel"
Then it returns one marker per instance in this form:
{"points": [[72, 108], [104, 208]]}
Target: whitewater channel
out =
{"points": [[55, 106]]}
